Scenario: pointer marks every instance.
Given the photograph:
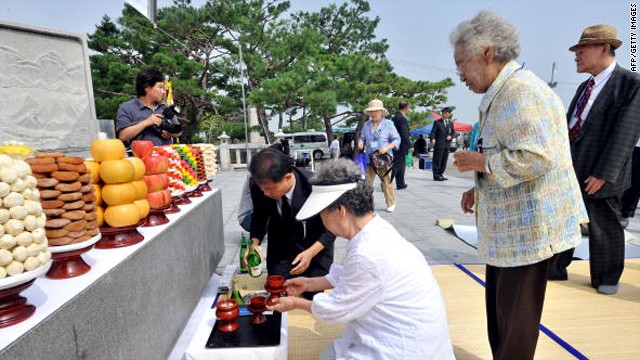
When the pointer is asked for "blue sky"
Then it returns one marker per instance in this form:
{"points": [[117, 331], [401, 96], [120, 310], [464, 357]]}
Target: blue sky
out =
{"points": [[417, 32]]}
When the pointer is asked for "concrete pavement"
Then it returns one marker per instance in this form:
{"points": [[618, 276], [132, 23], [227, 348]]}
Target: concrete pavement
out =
{"points": [[417, 208]]}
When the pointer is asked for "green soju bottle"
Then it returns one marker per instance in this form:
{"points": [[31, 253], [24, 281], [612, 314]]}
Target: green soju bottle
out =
{"points": [[255, 263], [243, 249]]}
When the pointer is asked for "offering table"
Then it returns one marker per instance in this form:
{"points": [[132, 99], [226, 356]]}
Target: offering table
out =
{"points": [[134, 302]]}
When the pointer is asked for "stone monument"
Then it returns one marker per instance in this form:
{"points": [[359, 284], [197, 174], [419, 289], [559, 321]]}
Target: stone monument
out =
{"points": [[46, 95]]}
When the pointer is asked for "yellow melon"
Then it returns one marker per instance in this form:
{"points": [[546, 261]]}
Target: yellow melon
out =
{"points": [[141, 189], [143, 207], [116, 171], [122, 215], [118, 194], [100, 213], [97, 190], [94, 170], [107, 149], [138, 167]]}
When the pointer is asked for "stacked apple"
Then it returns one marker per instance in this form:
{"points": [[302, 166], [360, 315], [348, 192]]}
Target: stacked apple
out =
{"points": [[155, 176], [176, 185], [208, 152], [121, 186]]}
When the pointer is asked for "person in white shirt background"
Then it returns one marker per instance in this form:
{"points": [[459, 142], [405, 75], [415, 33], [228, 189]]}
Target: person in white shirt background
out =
{"points": [[334, 147], [384, 290]]}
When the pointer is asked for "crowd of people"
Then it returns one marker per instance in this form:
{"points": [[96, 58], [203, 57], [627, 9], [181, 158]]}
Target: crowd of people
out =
{"points": [[540, 172]]}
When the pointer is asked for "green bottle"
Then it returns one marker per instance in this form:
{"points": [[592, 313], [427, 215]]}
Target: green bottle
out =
{"points": [[243, 249], [255, 263]]}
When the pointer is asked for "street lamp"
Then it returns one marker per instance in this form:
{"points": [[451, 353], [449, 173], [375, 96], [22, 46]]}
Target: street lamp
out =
{"points": [[244, 105]]}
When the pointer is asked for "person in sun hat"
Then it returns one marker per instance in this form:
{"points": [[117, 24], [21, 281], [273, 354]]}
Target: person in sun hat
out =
{"points": [[604, 126], [379, 136], [384, 291]]}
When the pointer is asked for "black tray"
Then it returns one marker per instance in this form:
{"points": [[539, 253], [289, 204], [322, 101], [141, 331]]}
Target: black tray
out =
{"points": [[248, 335]]}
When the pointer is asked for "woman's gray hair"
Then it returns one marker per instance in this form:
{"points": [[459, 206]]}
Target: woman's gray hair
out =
{"points": [[358, 201], [487, 29]]}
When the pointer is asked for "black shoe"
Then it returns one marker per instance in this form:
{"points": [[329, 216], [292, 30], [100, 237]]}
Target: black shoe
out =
{"points": [[624, 223], [438, 178], [557, 276], [444, 178], [400, 187]]}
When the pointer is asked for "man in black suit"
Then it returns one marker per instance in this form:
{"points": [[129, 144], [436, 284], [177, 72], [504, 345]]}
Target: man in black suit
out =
{"points": [[441, 135], [295, 247], [399, 163], [603, 129]]}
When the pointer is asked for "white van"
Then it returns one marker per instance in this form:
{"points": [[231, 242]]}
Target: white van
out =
{"points": [[314, 141]]}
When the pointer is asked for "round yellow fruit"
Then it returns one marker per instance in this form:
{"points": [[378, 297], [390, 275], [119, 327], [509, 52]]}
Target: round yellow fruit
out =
{"points": [[116, 171], [97, 190], [141, 189], [118, 194], [100, 213], [122, 215], [94, 170], [107, 149], [143, 207], [138, 167]]}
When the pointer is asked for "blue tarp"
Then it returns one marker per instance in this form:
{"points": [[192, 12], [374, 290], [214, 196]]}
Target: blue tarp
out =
{"points": [[426, 130]]}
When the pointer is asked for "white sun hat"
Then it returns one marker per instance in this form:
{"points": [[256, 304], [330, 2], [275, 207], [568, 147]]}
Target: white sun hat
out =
{"points": [[321, 197], [374, 105]]}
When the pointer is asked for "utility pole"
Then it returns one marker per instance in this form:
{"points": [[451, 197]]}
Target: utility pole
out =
{"points": [[552, 84], [244, 103]]}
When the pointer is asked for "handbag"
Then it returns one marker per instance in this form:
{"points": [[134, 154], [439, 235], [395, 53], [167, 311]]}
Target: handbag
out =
{"points": [[382, 163]]}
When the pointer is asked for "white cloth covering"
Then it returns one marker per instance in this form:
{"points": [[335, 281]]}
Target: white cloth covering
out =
{"points": [[387, 294]]}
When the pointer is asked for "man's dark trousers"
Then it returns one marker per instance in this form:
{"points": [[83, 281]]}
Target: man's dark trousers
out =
{"points": [[440, 157], [399, 167]]}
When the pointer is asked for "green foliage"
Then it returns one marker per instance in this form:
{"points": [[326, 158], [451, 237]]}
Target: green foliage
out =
{"points": [[307, 64]]}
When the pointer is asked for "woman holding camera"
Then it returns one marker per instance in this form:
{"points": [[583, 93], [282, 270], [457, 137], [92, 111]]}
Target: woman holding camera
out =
{"points": [[147, 117]]}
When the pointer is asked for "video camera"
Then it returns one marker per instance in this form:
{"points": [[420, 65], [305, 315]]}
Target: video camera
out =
{"points": [[167, 115]]}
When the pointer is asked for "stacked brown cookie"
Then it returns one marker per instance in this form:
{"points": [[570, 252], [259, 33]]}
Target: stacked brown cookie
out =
{"points": [[200, 170], [67, 197]]}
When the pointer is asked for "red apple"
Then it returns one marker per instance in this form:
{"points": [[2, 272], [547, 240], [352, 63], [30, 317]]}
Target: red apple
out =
{"points": [[159, 199], [156, 182], [156, 164], [142, 148]]}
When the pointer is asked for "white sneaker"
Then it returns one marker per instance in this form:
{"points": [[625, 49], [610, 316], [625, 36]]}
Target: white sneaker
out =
{"points": [[391, 208]]}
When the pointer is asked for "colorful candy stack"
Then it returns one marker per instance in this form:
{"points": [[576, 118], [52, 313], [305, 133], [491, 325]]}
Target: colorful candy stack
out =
{"points": [[176, 184], [202, 175], [208, 152], [188, 163]]}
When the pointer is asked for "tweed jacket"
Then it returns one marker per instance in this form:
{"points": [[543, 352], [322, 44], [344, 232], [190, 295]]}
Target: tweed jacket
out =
{"points": [[529, 206], [604, 145]]}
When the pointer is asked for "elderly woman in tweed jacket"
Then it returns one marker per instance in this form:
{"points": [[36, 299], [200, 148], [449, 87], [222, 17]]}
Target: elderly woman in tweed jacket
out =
{"points": [[526, 197]]}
